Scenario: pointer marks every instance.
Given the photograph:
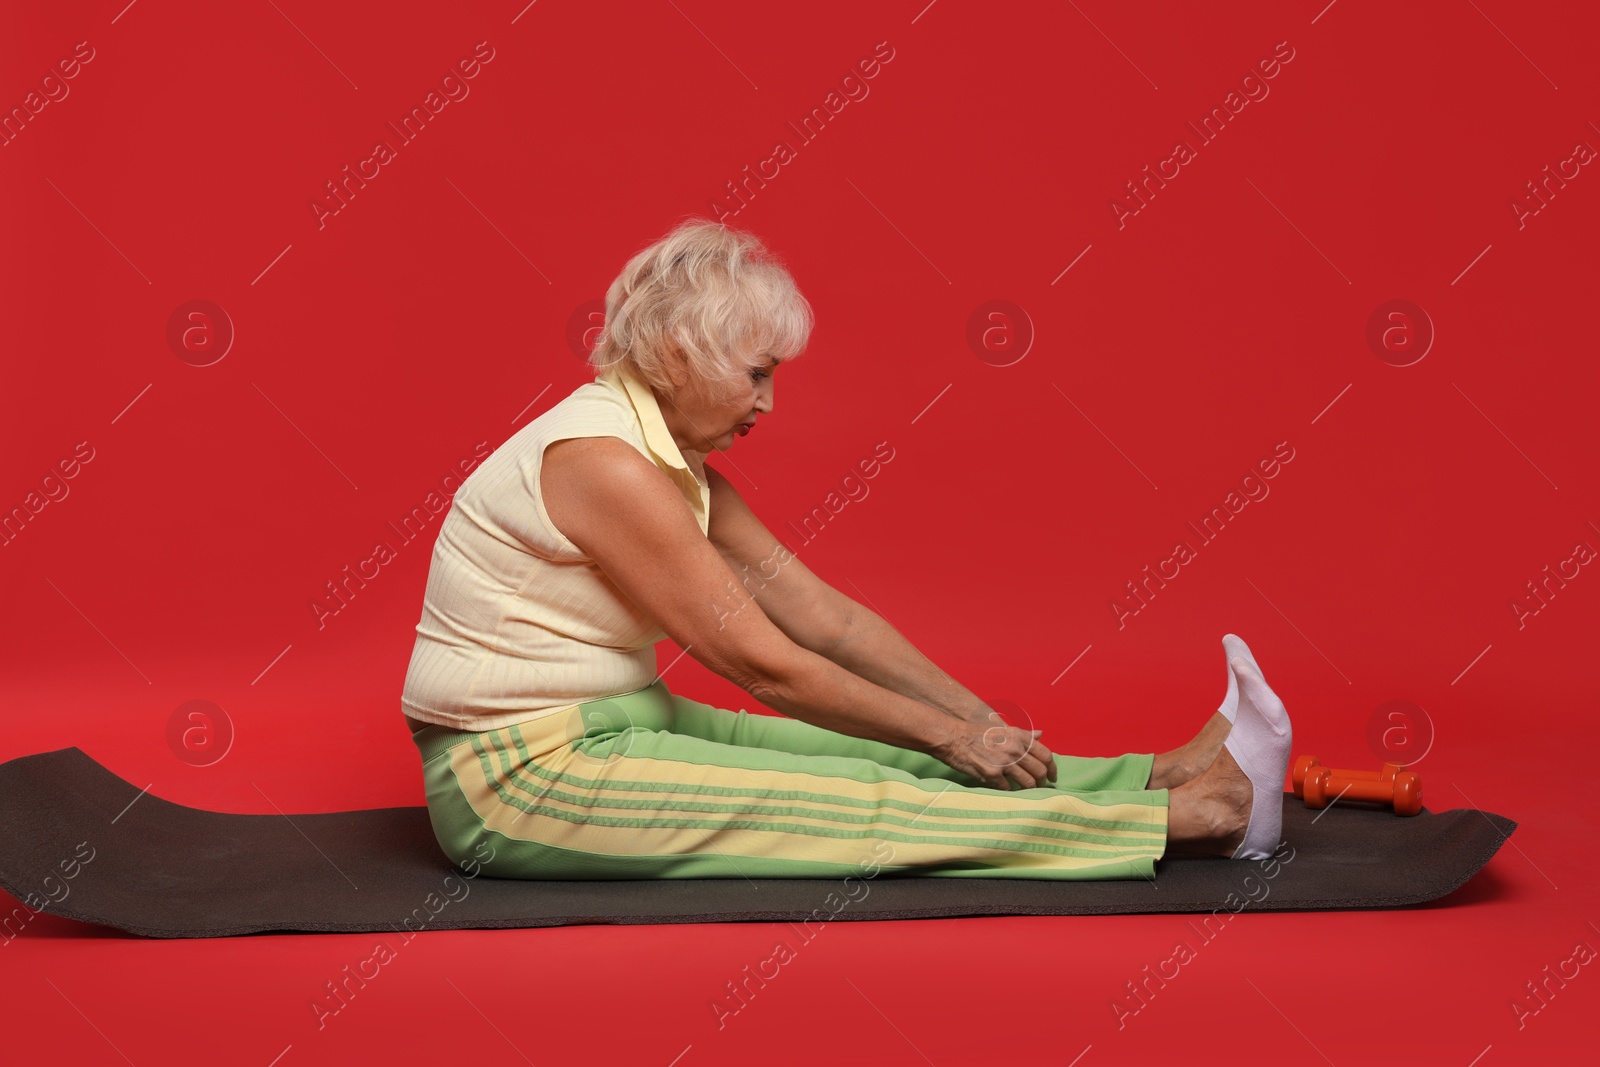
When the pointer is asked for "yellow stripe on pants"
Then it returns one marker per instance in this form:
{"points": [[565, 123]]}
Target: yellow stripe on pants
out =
{"points": [[652, 784]]}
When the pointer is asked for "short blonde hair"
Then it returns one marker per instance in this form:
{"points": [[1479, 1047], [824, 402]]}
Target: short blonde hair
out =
{"points": [[711, 294]]}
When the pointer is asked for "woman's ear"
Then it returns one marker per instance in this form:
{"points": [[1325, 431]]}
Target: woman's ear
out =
{"points": [[677, 368]]}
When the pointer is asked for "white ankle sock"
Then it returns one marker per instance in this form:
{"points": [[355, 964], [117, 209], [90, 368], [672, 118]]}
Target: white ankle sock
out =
{"points": [[1230, 703], [1259, 743], [1233, 645]]}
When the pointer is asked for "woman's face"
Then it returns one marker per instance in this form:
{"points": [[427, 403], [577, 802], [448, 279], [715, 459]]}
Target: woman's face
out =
{"points": [[703, 424]]}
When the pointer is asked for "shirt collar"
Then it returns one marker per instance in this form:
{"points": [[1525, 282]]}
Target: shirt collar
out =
{"points": [[656, 434]]}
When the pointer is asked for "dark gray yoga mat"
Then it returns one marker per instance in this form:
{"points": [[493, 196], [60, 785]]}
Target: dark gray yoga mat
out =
{"points": [[77, 841]]}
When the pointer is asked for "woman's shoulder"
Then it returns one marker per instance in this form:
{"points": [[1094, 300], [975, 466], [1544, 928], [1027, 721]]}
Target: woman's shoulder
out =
{"points": [[596, 400], [592, 409]]}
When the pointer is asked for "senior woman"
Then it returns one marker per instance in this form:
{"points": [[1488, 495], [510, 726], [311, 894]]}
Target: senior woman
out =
{"points": [[552, 749]]}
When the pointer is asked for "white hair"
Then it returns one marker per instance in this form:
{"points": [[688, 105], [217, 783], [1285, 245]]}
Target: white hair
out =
{"points": [[707, 301]]}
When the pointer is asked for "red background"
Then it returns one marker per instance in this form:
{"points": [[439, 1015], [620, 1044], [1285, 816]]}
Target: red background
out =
{"points": [[431, 313]]}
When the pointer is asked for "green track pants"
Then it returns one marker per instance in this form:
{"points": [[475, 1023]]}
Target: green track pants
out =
{"points": [[654, 785]]}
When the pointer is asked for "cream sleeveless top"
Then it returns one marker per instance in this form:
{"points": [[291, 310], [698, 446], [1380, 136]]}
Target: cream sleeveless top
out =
{"points": [[517, 623]]}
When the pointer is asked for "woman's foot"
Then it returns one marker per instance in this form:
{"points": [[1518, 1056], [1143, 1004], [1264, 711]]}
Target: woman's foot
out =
{"points": [[1233, 645], [1216, 814], [1172, 769], [1208, 815]]}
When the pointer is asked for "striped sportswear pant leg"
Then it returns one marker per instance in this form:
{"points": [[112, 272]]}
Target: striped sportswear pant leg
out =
{"points": [[654, 785]]}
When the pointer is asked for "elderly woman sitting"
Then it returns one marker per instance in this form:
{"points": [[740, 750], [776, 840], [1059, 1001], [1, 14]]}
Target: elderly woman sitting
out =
{"points": [[552, 749]]}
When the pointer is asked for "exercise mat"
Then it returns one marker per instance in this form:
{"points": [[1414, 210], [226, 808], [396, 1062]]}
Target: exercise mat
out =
{"points": [[79, 842]]}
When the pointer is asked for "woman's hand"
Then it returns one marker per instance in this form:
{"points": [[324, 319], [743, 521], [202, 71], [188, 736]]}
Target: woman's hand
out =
{"points": [[996, 753]]}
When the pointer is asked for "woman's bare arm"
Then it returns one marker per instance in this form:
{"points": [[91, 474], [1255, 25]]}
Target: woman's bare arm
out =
{"points": [[823, 619], [617, 506], [876, 651]]}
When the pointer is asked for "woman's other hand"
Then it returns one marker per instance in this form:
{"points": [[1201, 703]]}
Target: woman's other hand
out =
{"points": [[998, 754]]}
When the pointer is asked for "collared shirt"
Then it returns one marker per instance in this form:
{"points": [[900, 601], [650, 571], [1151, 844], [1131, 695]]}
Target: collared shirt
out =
{"points": [[658, 438], [517, 621]]}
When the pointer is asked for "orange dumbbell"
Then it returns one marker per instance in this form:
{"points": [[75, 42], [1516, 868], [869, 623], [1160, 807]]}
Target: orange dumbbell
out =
{"points": [[1304, 765], [1403, 792]]}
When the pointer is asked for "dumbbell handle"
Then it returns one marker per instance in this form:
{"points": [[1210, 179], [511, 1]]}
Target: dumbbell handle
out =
{"points": [[1364, 788], [1308, 765], [1384, 774]]}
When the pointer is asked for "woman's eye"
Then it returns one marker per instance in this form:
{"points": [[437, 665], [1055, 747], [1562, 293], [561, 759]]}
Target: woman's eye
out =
{"points": [[758, 374]]}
